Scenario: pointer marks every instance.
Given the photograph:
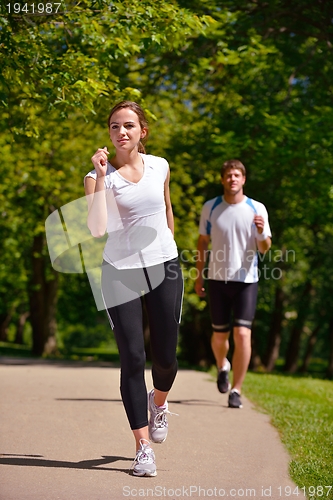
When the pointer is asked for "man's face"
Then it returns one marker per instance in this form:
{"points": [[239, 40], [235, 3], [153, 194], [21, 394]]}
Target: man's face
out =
{"points": [[233, 181]]}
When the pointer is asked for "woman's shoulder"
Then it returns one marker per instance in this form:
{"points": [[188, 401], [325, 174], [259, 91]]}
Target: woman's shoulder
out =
{"points": [[109, 174], [154, 160]]}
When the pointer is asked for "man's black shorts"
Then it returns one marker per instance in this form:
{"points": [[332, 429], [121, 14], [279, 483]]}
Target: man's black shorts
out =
{"points": [[231, 297]]}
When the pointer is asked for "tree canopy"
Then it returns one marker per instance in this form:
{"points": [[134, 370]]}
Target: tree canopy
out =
{"points": [[246, 79]]}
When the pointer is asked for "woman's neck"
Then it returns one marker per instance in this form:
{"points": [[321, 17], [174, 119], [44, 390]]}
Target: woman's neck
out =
{"points": [[131, 159]]}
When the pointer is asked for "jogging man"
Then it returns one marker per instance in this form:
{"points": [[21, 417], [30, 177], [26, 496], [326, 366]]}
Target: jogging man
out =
{"points": [[237, 228]]}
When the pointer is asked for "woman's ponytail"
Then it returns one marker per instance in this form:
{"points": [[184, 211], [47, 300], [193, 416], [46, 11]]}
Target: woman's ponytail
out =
{"points": [[141, 148]]}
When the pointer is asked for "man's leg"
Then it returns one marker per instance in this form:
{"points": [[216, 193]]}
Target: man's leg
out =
{"points": [[242, 355], [220, 347], [220, 310], [244, 309]]}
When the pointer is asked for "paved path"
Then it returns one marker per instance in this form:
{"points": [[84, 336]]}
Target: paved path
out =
{"points": [[64, 435]]}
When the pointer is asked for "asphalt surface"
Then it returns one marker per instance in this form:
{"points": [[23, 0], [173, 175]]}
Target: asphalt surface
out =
{"points": [[64, 435]]}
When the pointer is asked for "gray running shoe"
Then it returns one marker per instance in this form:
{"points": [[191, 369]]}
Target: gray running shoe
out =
{"points": [[223, 383], [144, 462], [158, 421], [234, 399]]}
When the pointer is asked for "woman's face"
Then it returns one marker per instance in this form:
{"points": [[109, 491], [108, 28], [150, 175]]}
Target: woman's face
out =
{"points": [[125, 130]]}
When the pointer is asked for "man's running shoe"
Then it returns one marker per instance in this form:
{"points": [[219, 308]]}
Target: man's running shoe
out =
{"points": [[234, 399], [223, 383], [144, 462], [158, 421]]}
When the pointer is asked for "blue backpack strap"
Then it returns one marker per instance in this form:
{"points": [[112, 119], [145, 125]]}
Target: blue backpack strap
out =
{"points": [[215, 204]]}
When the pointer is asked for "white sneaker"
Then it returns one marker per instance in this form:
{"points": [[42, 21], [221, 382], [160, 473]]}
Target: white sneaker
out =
{"points": [[144, 462], [158, 421]]}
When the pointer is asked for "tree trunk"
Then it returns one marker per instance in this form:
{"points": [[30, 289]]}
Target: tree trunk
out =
{"points": [[309, 350], [255, 361], [274, 338], [50, 322], [295, 339], [42, 300], [195, 339], [330, 360], [4, 323], [20, 327]]}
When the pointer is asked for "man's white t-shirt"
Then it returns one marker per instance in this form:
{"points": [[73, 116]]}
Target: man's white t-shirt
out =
{"points": [[138, 234], [233, 256]]}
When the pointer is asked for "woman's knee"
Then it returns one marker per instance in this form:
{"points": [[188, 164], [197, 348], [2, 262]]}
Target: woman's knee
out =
{"points": [[165, 368], [133, 362]]}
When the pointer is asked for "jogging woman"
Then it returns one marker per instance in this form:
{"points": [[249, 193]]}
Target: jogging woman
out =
{"points": [[129, 199]]}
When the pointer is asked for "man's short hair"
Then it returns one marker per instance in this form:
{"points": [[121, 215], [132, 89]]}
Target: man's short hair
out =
{"points": [[229, 164]]}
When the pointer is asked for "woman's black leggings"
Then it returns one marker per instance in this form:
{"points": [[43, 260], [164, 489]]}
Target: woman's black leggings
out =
{"points": [[161, 288]]}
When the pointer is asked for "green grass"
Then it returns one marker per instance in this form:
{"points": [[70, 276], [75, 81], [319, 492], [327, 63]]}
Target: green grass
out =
{"points": [[302, 410], [107, 353], [11, 349], [94, 354]]}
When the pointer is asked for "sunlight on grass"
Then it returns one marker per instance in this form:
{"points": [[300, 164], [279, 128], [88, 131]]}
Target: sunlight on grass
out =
{"points": [[302, 411]]}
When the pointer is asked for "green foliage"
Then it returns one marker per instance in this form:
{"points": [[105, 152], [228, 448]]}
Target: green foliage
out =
{"points": [[59, 73], [255, 87], [11, 349], [302, 411], [78, 335], [248, 79], [80, 325], [65, 62]]}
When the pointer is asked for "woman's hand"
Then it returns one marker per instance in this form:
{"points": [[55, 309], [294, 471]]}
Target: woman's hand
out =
{"points": [[100, 161]]}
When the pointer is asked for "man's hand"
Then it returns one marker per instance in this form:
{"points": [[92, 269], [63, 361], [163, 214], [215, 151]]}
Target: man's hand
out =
{"points": [[263, 241], [259, 222], [199, 287]]}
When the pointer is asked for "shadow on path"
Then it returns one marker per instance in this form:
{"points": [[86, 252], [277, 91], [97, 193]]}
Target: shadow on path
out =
{"points": [[39, 461], [90, 399], [189, 402]]}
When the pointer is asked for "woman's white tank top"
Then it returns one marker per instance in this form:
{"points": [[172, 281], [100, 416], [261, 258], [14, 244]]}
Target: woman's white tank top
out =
{"points": [[138, 234]]}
